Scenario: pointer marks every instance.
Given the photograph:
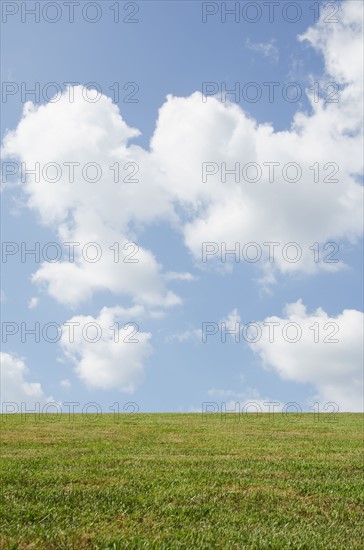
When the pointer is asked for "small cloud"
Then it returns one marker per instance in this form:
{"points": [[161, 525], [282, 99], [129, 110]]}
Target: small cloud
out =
{"points": [[232, 323], [195, 334], [65, 383], [266, 281], [33, 303], [221, 394], [2, 296], [110, 362], [232, 320], [176, 276], [15, 387], [268, 49], [249, 400], [157, 314]]}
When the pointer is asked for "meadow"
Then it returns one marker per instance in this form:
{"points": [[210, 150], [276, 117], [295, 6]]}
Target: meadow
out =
{"points": [[168, 481]]}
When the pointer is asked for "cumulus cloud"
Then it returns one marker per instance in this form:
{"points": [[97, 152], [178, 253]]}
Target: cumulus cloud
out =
{"points": [[317, 349], [14, 386], [106, 211], [191, 132], [108, 351], [328, 352]]}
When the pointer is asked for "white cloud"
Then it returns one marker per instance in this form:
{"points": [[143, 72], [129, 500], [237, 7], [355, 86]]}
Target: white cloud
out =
{"points": [[115, 360], [335, 369], [328, 353], [33, 303], [341, 42], [105, 212], [14, 386], [232, 321], [263, 212], [185, 336], [190, 132], [248, 401], [268, 49], [176, 276]]}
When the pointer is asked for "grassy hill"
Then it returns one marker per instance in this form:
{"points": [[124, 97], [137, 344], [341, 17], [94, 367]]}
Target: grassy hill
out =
{"points": [[180, 481]]}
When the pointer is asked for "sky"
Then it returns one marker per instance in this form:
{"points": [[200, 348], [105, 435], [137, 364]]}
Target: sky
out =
{"points": [[205, 168]]}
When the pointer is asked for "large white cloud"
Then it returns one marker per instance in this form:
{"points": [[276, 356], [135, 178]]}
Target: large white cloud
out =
{"points": [[328, 352], [105, 357], [14, 386], [106, 211], [190, 132]]}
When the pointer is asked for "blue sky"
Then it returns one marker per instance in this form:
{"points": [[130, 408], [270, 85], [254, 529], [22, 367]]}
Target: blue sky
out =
{"points": [[171, 52]]}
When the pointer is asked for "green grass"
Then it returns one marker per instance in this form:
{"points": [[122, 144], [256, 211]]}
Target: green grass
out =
{"points": [[173, 481]]}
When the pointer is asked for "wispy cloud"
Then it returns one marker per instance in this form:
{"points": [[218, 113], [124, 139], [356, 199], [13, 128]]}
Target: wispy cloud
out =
{"points": [[268, 49], [176, 276], [187, 335], [33, 303]]}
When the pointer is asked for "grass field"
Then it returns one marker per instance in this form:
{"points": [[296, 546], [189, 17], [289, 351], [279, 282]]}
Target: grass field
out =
{"points": [[176, 481]]}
